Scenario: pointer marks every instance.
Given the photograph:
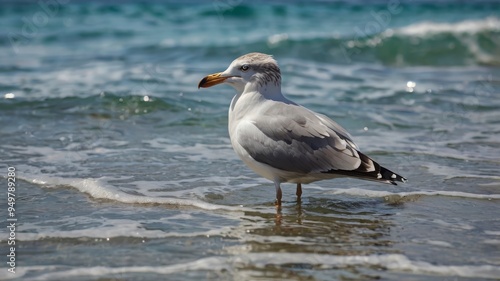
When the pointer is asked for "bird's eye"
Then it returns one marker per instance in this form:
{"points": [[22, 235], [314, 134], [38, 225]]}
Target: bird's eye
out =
{"points": [[244, 67]]}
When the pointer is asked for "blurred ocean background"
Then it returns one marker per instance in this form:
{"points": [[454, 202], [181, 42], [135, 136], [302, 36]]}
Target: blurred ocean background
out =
{"points": [[125, 170]]}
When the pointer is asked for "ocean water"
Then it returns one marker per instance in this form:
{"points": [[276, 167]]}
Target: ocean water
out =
{"points": [[124, 169]]}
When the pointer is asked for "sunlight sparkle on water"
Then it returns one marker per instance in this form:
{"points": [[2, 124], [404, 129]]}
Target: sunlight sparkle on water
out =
{"points": [[410, 85]]}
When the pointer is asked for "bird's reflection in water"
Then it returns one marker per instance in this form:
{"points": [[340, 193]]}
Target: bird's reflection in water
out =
{"points": [[298, 213], [350, 226], [318, 226]]}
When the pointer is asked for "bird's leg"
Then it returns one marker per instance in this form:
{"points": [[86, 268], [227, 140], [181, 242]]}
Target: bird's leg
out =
{"points": [[278, 194], [299, 191]]}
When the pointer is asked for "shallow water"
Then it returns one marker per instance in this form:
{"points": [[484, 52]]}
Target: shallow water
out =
{"points": [[125, 170]]}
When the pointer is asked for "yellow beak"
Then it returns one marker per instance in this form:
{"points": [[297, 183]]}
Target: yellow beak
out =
{"points": [[211, 80]]}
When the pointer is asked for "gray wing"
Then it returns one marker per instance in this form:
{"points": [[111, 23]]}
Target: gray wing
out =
{"points": [[292, 138]]}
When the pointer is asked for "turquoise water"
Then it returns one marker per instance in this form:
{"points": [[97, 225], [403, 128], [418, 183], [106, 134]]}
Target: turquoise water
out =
{"points": [[125, 171]]}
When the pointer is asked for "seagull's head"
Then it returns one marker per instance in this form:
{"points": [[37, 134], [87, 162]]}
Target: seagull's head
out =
{"points": [[252, 71]]}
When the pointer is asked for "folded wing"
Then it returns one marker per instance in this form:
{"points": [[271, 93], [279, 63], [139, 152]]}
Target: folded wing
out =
{"points": [[292, 138]]}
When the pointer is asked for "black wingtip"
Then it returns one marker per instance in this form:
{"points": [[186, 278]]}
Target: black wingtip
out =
{"points": [[379, 174], [386, 174], [371, 170]]}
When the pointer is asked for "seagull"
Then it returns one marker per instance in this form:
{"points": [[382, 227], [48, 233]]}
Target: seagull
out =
{"points": [[285, 142]]}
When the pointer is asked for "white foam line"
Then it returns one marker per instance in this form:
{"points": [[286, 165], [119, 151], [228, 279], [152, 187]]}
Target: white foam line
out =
{"points": [[433, 242], [392, 262], [110, 232], [467, 26], [378, 194], [99, 189]]}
